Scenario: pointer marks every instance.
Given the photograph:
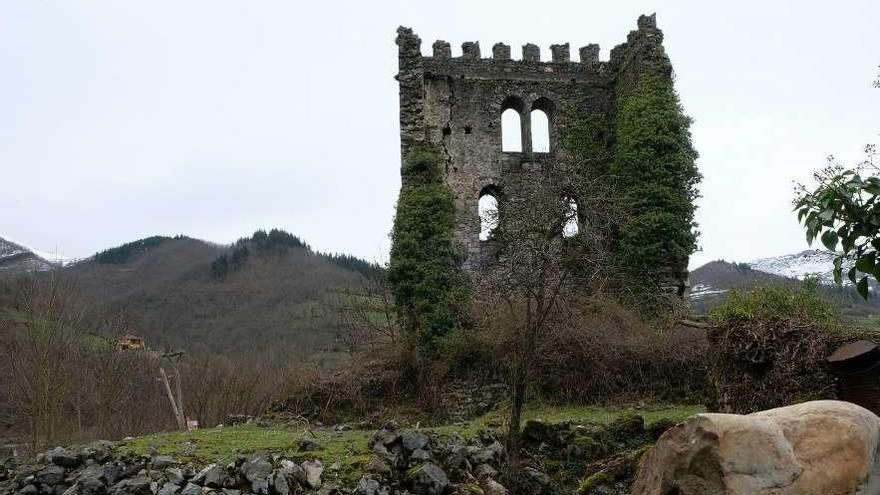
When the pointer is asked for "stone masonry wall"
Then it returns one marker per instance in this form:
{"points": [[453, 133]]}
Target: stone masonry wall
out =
{"points": [[456, 103]]}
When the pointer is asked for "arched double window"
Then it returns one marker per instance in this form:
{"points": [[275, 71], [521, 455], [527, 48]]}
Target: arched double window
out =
{"points": [[511, 131], [541, 119], [512, 125], [540, 131]]}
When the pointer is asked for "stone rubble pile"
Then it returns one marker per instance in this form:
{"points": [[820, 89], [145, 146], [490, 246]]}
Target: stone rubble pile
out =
{"points": [[401, 462]]}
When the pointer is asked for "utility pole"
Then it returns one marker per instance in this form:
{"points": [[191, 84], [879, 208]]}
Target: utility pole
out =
{"points": [[173, 358]]}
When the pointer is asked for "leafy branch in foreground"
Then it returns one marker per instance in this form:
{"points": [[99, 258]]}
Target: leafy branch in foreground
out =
{"points": [[844, 210]]}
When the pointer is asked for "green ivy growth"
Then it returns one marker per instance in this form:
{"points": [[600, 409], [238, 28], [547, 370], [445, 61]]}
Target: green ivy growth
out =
{"points": [[430, 288], [586, 141], [655, 177]]}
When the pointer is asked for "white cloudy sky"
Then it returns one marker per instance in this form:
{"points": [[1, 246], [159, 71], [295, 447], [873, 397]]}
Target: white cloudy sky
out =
{"points": [[120, 120]]}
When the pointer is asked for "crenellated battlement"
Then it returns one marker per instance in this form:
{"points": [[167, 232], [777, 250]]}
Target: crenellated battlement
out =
{"points": [[530, 64], [531, 53]]}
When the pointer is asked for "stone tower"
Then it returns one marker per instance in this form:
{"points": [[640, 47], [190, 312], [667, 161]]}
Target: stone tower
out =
{"points": [[456, 103]]}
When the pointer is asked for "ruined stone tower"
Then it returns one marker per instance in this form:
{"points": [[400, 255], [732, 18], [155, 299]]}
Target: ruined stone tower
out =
{"points": [[456, 104]]}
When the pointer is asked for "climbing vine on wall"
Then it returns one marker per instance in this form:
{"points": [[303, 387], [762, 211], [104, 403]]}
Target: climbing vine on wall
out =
{"points": [[655, 177], [430, 288]]}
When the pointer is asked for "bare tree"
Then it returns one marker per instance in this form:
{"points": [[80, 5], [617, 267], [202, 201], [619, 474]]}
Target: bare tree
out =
{"points": [[367, 316], [41, 351], [550, 243]]}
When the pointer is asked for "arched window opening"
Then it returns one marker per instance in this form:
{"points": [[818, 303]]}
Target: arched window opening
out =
{"points": [[540, 132], [571, 225], [488, 209], [511, 131]]}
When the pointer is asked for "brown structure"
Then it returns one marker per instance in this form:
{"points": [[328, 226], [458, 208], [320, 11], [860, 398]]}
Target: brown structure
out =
{"points": [[856, 368], [130, 342], [456, 103]]}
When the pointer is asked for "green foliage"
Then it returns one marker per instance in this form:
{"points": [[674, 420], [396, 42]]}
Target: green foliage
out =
{"points": [[430, 289], [844, 211], [126, 252], [775, 303], [655, 177], [279, 241], [355, 264], [768, 348], [275, 241], [586, 141]]}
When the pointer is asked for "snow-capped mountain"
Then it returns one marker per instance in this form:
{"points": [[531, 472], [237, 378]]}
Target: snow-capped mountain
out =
{"points": [[711, 281], [813, 262], [16, 258]]}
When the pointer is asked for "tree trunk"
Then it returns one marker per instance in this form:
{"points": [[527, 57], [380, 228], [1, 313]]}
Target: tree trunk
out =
{"points": [[513, 432]]}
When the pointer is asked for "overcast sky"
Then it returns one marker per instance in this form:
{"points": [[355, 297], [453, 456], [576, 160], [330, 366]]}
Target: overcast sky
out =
{"points": [[120, 120]]}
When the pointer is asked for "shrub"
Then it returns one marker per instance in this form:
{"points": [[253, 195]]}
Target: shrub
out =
{"points": [[768, 348], [605, 353]]}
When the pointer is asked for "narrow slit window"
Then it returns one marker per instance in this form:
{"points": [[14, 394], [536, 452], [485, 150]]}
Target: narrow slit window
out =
{"points": [[540, 132], [488, 209], [511, 131], [571, 227]]}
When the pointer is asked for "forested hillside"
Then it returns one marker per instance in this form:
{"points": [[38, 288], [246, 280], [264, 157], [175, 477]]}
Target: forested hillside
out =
{"points": [[273, 293]]}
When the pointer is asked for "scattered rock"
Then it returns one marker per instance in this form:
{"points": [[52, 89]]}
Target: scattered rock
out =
{"points": [[191, 489], [814, 447], [329, 490], [51, 476], [212, 476], [260, 486], [367, 486], [377, 466], [169, 488], [493, 453], [313, 471], [93, 480], [428, 479], [383, 438], [534, 482], [288, 479], [62, 457], [237, 419], [413, 440], [306, 445], [138, 485], [257, 467], [626, 427], [420, 455], [178, 475], [162, 461], [485, 471], [492, 487]]}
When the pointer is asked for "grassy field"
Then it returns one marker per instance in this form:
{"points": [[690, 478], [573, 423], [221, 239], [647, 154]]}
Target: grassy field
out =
{"points": [[349, 448]]}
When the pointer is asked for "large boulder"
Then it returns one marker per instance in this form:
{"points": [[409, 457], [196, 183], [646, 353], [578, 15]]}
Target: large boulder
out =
{"points": [[819, 447]]}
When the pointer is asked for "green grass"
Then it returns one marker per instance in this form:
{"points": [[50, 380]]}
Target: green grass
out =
{"points": [[223, 444], [576, 413], [12, 315], [349, 448]]}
